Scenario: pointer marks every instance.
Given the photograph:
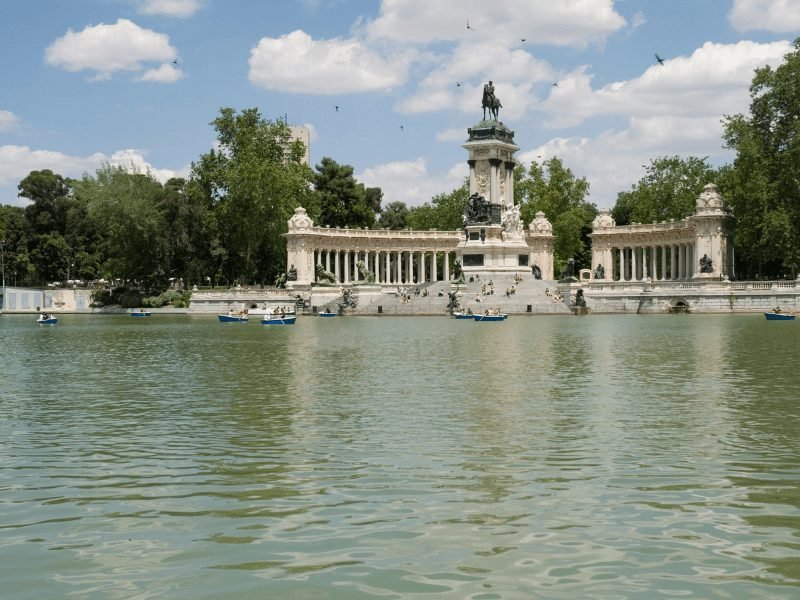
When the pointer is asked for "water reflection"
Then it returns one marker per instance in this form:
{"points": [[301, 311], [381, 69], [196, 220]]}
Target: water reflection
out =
{"points": [[365, 458]]}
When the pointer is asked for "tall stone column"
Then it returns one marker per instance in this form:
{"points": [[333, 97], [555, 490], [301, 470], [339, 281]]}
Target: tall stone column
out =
{"points": [[446, 267], [421, 268], [622, 263], [347, 266], [398, 265], [434, 274], [410, 267], [634, 264]]}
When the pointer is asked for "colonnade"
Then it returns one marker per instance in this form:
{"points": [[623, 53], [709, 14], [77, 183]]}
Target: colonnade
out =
{"points": [[658, 262], [387, 266]]}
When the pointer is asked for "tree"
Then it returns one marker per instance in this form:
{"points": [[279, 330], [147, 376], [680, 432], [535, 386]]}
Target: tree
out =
{"points": [[669, 190], [50, 201], [127, 207], [15, 233], [343, 202], [763, 185], [553, 189], [444, 212], [394, 215], [250, 187]]}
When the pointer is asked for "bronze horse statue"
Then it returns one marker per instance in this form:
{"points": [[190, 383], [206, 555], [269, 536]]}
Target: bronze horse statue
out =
{"points": [[491, 102]]}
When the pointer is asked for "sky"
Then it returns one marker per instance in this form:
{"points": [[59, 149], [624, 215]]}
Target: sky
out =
{"points": [[389, 87]]}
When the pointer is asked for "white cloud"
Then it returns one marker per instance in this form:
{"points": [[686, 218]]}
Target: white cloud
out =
{"points": [[714, 80], [781, 16], [105, 49], [410, 182], [562, 23], [297, 63], [613, 160], [515, 73], [170, 8], [456, 134], [8, 120], [16, 162], [166, 73]]}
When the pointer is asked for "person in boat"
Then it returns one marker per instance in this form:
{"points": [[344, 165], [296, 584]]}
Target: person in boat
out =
{"points": [[469, 311], [777, 310]]}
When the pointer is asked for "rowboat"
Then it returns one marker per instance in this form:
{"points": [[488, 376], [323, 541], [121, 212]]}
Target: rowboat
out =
{"points": [[778, 316], [233, 318], [279, 320], [326, 313], [491, 317], [47, 319], [463, 315], [141, 313]]}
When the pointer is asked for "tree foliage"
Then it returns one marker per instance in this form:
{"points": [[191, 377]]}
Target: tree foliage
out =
{"points": [[343, 201], [251, 184], [553, 189], [394, 215], [668, 191], [444, 212], [763, 184]]}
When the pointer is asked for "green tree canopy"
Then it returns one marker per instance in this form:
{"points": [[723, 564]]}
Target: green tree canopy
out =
{"points": [[763, 185], [343, 201], [126, 206], [552, 188], [394, 215], [50, 200], [444, 212], [669, 190], [250, 187]]}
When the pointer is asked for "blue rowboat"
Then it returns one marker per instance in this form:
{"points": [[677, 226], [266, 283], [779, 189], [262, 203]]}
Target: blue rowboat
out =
{"points": [[327, 314], [500, 317], [232, 318], [47, 320], [278, 320], [778, 316], [141, 313], [463, 315]]}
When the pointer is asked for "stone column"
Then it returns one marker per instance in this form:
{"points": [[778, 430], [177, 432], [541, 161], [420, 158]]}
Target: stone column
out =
{"points": [[494, 180], [346, 266], [644, 263], [409, 267], [336, 271], [446, 263], [387, 272], [634, 264], [653, 263], [421, 267], [621, 252], [398, 266], [434, 274], [473, 185]]}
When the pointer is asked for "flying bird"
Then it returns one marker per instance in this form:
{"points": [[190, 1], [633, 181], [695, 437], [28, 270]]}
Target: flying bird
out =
{"points": [[660, 60], [522, 39], [468, 27], [555, 84], [458, 83], [401, 128], [175, 62], [337, 108]]}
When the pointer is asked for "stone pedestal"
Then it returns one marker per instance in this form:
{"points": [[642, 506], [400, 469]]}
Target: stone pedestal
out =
{"points": [[494, 241]]}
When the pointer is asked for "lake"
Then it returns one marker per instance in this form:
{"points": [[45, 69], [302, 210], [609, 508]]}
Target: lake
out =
{"points": [[396, 457]]}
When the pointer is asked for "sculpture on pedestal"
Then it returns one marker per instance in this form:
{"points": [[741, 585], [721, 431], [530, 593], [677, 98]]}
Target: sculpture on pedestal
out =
{"points": [[324, 276], [491, 102], [363, 274], [705, 264]]}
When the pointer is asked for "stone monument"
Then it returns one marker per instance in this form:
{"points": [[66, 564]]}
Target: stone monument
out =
{"points": [[494, 236]]}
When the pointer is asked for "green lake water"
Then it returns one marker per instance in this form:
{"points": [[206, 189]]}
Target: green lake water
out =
{"points": [[352, 458]]}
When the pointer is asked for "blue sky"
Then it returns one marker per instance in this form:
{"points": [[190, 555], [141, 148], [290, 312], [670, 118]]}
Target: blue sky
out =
{"points": [[92, 81]]}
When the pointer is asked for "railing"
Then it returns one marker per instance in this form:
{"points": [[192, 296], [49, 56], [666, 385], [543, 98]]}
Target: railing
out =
{"points": [[601, 285]]}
